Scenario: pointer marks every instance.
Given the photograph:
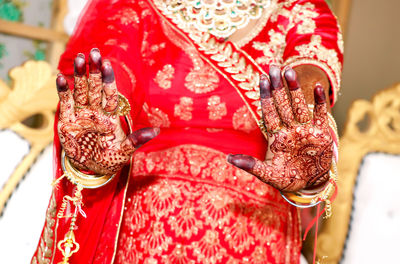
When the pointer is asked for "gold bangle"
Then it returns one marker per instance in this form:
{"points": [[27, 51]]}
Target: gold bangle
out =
{"points": [[123, 107], [306, 200], [87, 181]]}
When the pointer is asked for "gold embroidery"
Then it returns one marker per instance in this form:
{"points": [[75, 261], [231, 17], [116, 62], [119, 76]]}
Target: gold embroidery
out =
{"points": [[179, 256], [213, 130], [157, 118], [148, 50], [317, 54], [216, 109], [215, 207], [259, 256], [233, 62], [242, 120], [217, 211], [185, 224], [301, 16], [304, 18], [254, 31], [132, 77], [220, 18], [135, 214], [184, 109], [208, 250], [157, 47], [164, 76], [238, 236], [164, 198], [201, 78], [133, 255], [46, 244], [127, 17], [273, 50], [155, 241]]}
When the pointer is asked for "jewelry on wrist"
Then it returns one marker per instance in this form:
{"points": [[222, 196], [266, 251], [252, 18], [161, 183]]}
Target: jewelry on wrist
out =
{"points": [[87, 181]]}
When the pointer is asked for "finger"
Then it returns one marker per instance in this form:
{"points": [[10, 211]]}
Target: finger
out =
{"points": [[320, 109], [299, 104], [281, 96], [110, 92], [66, 100], [280, 179], [271, 118], [81, 86], [138, 138], [95, 80]]}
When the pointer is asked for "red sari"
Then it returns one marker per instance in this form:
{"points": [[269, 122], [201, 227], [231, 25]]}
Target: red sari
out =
{"points": [[180, 201]]}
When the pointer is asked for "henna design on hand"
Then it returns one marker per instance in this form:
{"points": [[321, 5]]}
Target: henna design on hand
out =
{"points": [[300, 148], [93, 139]]}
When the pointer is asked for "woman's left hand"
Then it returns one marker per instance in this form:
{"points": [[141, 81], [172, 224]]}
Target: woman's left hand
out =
{"points": [[300, 146]]}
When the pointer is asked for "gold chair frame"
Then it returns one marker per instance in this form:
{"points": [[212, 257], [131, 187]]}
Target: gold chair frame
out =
{"points": [[381, 135]]}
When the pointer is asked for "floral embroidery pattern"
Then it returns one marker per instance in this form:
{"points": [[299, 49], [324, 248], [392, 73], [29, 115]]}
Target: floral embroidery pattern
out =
{"points": [[201, 78], [272, 50], [126, 17], [208, 215], [164, 77], [304, 18], [242, 120], [148, 50], [184, 109], [208, 250], [157, 118], [216, 109], [315, 49]]}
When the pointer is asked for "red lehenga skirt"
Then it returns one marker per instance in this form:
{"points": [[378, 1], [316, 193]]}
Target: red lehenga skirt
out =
{"points": [[186, 204]]}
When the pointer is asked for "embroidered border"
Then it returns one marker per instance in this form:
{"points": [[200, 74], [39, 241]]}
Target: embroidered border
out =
{"points": [[47, 243]]}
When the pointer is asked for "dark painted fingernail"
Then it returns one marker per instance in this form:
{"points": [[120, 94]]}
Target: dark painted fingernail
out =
{"points": [[241, 161], [61, 83], [141, 136], [107, 72], [319, 94], [276, 78], [291, 79], [80, 65], [94, 60], [265, 87]]}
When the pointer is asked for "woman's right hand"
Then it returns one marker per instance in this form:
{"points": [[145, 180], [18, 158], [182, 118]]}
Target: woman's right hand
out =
{"points": [[89, 129]]}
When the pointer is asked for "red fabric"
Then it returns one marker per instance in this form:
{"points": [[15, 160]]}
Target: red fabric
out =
{"points": [[204, 127]]}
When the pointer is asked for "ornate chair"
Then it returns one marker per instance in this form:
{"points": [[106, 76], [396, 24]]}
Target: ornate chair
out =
{"points": [[26, 187], [365, 226]]}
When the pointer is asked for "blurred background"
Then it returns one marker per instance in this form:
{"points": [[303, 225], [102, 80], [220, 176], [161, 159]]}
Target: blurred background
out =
{"points": [[37, 30]]}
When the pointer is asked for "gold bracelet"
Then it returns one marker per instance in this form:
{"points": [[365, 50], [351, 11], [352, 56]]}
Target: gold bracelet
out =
{"points": [[306, 199], [87, 181]]}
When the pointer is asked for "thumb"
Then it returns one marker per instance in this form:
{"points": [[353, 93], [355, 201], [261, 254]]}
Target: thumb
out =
{"points": [[268, 174], [138, 138]]}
